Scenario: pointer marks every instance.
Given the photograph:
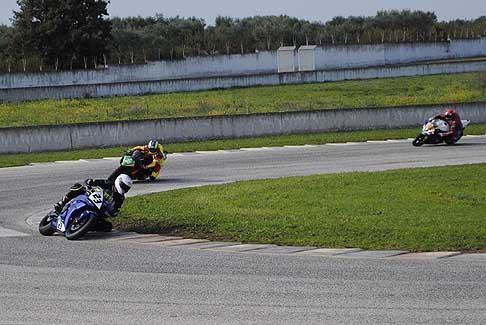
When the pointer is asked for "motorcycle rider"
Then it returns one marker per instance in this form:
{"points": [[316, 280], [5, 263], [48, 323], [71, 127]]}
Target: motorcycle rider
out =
{"points": [[114, 194], [153, 151], [455, 125]]}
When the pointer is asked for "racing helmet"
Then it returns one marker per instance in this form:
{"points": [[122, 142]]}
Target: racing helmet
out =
{"points": [[153, 145], [449, 113], [123, 183]]}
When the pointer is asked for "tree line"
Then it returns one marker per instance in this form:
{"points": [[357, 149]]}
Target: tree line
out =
{"points": [[74, 34]]}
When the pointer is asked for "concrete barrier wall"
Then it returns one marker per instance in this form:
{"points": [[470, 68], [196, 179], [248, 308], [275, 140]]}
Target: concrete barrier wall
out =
{"points": [[181, 85], [406, 53], [96, 135], [350, 56], [328, 57], [468, 48], [220, 65]]}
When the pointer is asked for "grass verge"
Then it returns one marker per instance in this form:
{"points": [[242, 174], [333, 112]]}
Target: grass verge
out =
{"points": [[400, 209], [10, 160], [434, 89]]}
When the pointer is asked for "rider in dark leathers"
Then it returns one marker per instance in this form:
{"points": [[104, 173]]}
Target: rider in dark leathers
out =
{"points": [[114, 195]]}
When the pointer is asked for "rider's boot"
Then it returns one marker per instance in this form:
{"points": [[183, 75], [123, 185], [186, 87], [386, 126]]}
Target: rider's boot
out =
{"points": [[75, 190], [60, 205]]}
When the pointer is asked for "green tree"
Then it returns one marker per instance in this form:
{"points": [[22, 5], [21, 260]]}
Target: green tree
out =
{"points": [[5, 40], [69, 33], [5, 48]]}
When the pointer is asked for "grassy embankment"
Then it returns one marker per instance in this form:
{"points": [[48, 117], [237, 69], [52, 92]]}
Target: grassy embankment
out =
{"points": [[401, 209], [360, 93], [372, 93]]}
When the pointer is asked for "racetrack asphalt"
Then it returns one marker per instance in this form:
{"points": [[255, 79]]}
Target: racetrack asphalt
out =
{"points": [[52, 280]]}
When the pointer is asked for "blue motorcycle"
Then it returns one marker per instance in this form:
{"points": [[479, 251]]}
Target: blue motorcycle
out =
{"points": [[78, 217]]}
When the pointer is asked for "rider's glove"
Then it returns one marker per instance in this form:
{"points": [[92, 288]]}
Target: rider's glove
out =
{"points": [[89, 181]]}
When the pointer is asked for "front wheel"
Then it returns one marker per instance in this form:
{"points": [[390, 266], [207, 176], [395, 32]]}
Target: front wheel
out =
{"points": [[419, 140], [81, 225], [45, 227]]}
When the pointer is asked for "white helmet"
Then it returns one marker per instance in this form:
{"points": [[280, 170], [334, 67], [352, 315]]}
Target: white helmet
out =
{"points": [[123, 183]]}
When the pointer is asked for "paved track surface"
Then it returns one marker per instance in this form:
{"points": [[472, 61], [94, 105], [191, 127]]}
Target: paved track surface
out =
{"points": [[52, 280]]}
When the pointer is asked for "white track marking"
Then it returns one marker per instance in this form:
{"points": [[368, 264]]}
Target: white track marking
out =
{"points": [[256, 149], [4, 232], [68, 161], [342, 144]]}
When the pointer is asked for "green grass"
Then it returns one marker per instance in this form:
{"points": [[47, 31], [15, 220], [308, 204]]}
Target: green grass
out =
{"points": [[400, 209], [10, 160], [434, 89]]}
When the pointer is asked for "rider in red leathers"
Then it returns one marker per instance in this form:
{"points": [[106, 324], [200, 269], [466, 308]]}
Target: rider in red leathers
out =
{"points": [[455, 125]]}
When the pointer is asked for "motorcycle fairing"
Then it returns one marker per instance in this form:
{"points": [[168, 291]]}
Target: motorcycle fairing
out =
{"points": [[77, 206]]}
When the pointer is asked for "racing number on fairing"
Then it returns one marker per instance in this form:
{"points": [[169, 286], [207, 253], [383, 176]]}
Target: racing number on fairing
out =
{"points": [[60, 225], [96, 197]]}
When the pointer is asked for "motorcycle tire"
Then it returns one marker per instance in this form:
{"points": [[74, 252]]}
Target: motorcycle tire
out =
{"points": [[419, 140], [45, 225], [75, 231]]}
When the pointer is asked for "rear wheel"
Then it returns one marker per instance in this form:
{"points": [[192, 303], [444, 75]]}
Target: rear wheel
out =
{"points": [[79, 227], [45, 225], [419, 140]]}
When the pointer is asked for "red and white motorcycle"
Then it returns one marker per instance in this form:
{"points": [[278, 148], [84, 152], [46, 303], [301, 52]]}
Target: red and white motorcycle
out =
{"points": [[431, 131]]}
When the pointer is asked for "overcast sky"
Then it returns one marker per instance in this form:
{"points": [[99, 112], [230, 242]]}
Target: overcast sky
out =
{"points": [[314, 10]]}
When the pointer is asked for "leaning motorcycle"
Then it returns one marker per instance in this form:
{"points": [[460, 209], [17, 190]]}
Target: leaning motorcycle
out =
{"points": [[77, 217], [136, 165], [431, 131]]}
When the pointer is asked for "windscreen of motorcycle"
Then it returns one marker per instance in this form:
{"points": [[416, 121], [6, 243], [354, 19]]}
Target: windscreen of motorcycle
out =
{"points": [[442, 125], [127, 161]]}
